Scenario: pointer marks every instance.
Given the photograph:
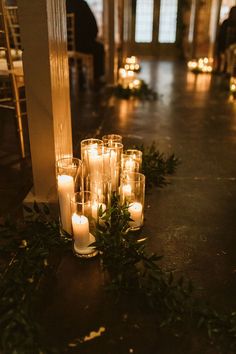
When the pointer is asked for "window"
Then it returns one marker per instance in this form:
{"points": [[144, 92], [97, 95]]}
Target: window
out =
{"points": [[168, 19], [97, 8], [144, 21]]}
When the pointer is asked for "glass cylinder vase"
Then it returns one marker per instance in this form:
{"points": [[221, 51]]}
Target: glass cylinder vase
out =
{"points": [[116, 150], [136, 156], [112, 138], [132, 194], [84, 207], [69, 174]]}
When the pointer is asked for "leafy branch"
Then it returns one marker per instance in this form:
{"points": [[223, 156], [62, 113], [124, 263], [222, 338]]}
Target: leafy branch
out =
{"points": [[156, 165], [31, 244], [142, 92], [131, 270]]}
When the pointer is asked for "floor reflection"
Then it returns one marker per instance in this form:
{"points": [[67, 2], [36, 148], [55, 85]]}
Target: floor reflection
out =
{"points": [[198, 82]]}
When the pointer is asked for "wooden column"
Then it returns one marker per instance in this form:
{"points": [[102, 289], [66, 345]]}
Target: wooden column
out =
{"points": [[109, 36], [44, 41], [214, 25], [193, 30]]}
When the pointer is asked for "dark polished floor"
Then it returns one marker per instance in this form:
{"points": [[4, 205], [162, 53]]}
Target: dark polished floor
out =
{"points": [[191, 222]]}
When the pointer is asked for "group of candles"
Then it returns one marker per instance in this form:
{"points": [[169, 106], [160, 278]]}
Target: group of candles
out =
{"points": [[85, 188], [232, 85], [201, 65], [127, 74]]}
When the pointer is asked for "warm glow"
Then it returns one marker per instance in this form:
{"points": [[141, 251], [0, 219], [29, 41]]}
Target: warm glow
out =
{"points": [[201, 65], [79, 219], [233, 84]]}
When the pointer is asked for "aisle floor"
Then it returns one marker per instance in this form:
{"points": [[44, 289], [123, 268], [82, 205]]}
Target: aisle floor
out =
{"points": [[191, 222]]}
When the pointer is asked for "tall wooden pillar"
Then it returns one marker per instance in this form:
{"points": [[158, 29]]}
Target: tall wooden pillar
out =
{"points": [[44, 41], [193, 30], [109, 38]]}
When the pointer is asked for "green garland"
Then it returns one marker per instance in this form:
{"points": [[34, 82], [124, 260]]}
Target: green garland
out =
{"points": [[142, 92], [156, 166], [30, 248], [124, 258], [132, 270]]}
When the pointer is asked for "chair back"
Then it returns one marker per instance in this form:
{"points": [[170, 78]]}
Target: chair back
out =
{"points": [[70, 21], [14, 28]]}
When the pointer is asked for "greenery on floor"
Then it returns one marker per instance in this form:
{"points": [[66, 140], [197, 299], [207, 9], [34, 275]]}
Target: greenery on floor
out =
{"points": [[143, 92], [156, 166], [30, 245]]}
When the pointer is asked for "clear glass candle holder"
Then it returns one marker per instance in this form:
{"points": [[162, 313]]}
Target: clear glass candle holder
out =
{"points": [[111, 138], [136, 156], [92, 159], [132, 194], [129, 164], [69, 181], [84, 206], [102, 190], [116, 150]]}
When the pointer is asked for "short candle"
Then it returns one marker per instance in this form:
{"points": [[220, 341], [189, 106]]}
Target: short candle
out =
{"points": [[136, 214], [80, 227]]}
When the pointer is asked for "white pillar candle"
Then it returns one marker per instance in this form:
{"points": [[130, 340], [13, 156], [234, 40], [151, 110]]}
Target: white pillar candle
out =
{"points": [[95, 162], [113, 166], [136, 214], [65, 193], [80, 227], [106, 163]]}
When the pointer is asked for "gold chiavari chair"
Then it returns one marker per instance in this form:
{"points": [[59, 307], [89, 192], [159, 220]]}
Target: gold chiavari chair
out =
{"points": [[11, 73]]}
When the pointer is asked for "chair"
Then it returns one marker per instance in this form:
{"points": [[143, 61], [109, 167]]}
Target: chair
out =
{"points": [[78, 59], [11, 71]]}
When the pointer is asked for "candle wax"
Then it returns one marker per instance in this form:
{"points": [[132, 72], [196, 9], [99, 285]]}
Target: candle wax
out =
{"points": [[136, 214], [80, 226], [65, 193]]}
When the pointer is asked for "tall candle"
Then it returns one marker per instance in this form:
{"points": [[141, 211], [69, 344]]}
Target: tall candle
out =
{"points": [[65, 193], [113, 164], [95, 161], [80, 227], [136, 214]]}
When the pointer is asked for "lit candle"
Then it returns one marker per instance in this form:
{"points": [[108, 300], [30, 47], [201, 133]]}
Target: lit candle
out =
{"points": [[65, 193], [130, 165], [106, 163], [136, 214], [95, 161], [126, 189], [113, 167], [80, 227]]}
